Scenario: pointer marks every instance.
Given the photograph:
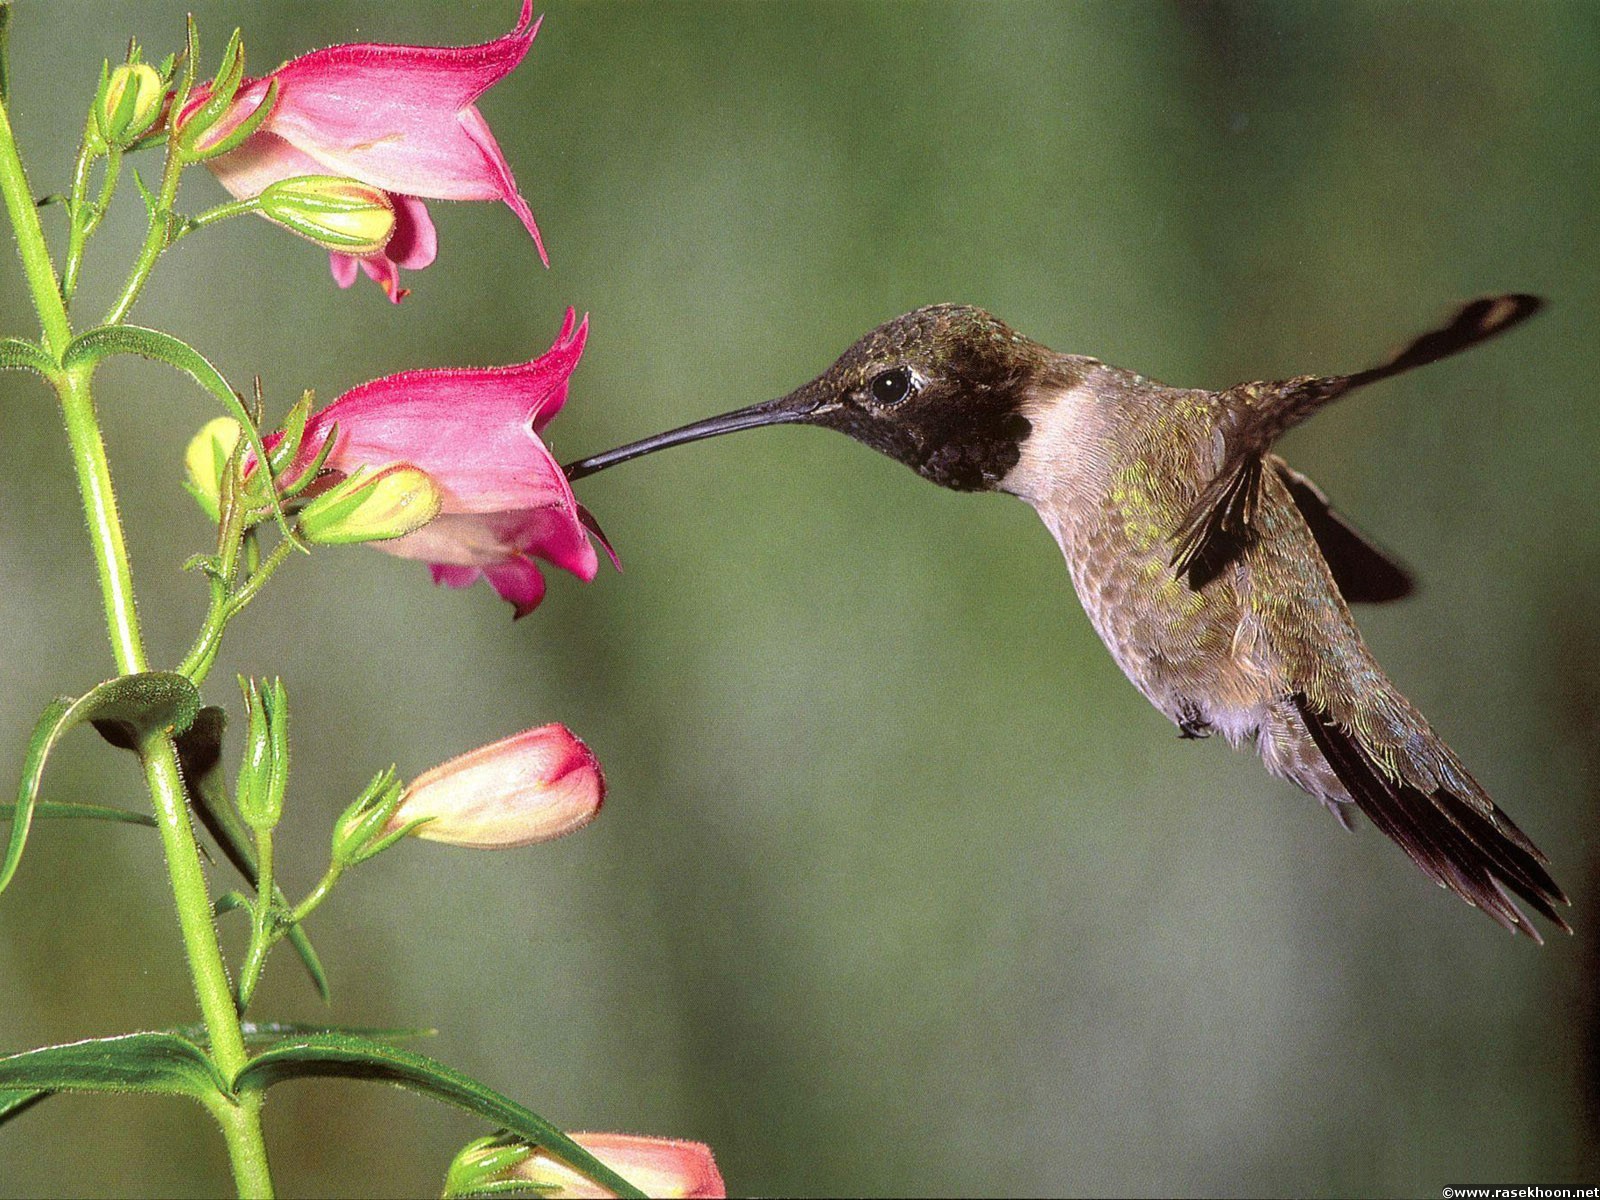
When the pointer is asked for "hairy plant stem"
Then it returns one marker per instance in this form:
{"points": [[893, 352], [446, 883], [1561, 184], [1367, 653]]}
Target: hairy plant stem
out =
{"points": [[160, 234], [240, 1120]]}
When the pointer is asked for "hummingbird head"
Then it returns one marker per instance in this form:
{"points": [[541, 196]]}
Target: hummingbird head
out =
{"points": [[941, 389]]}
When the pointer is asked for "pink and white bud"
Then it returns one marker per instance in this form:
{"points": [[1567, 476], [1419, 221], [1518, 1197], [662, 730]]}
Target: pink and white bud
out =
{"points": [[527, 788], [657, 1166]]}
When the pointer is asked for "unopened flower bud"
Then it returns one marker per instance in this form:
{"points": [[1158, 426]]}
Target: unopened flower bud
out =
{"points": [[657, 1166], [264, 770], [339, 214], [528, 788], [130, 101], [372, 506], [207, 458]]}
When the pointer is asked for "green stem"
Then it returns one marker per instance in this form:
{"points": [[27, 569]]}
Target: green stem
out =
{"points": [[36, 264], [78, 228], [240, 1122], [158, 236], [318, 894], [264, 921], [84, 220], [225, 605]]}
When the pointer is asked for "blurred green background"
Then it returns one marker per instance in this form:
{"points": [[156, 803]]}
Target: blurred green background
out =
{"points": [[900, 888]]}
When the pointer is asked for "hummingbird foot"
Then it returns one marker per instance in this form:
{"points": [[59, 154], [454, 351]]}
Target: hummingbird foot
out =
{"points": [[1192, 726]]}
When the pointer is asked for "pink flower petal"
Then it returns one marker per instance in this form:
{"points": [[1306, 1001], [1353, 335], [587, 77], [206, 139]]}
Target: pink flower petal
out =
{"points": [[472, 429], [414, 244], [344, 268], [455, 577], [657, 1166], [400, 118], [518, 581], [504, 499], [392, 116]]}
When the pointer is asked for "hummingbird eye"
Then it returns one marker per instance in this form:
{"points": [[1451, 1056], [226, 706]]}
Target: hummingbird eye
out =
{"points": [[891, 386]]}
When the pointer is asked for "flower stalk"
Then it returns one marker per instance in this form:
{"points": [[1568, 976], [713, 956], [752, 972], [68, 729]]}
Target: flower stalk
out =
{"points": [[240, 1121]]}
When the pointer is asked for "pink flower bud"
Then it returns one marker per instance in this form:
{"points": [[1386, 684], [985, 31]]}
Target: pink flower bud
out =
{"points": [[657, 1166], [527, 788]]}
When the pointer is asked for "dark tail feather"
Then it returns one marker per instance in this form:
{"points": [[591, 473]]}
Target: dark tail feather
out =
{"points": [[1482, 859], [1474, 322]]}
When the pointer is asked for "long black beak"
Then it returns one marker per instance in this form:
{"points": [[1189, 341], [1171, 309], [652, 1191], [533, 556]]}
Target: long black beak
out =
{"points": [[796, 407]]}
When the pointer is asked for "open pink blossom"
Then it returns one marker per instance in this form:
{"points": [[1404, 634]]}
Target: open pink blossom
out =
{"points": [[503, 497], [531, 787], [657, 1166], [400, 118]]}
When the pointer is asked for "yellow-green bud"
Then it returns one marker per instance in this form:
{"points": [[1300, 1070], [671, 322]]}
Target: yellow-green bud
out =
{"points": [[372, 506], [207, 458], [129, 103], [337, 213]]}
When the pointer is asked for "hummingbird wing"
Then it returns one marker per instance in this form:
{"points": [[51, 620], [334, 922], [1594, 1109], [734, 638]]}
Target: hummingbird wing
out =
{"points": [[1365, 573], [1219, 525]]}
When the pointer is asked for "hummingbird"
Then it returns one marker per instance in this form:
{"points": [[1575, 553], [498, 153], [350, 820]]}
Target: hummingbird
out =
{"points": [[1219, 577]]}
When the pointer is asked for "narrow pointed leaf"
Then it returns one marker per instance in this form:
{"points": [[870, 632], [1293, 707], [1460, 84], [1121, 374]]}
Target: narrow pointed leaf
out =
{"points": [[157, 1063], [350, 1057], [13, 1103], [200, 753], [261, 1034], [107, 340], [126, 710], [53, 810], [16, 1101], [44, 736], [19, 355]]}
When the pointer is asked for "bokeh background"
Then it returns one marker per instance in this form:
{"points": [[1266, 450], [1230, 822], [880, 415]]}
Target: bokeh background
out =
{"points": [[900, 888]]}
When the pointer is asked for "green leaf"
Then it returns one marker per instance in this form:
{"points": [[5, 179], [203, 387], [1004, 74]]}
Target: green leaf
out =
{"points": [[126, 710], [16, 354], [200, 754], [49, 809], [267, 1033], [158, 1063], [15, 1103], [351, 1057], [101, 343]]}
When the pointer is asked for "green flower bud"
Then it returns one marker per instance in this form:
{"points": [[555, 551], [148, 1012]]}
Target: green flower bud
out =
{"points": [[372, 506], [264, 771], [338, 214], [129, 102]]}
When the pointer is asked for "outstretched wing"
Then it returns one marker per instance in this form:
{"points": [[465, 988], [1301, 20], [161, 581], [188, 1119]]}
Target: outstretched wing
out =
{"points": [[1219, 524], [1365, 573]]}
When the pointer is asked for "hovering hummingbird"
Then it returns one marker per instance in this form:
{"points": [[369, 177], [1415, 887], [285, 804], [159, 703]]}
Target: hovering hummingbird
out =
{"points": [[1217, 575]]}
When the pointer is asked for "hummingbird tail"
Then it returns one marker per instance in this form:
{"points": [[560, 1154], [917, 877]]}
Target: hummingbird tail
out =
{"points": [[1451, 830]]}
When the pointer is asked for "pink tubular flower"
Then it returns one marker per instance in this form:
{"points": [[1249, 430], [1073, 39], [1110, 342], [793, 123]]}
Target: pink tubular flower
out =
{"points": [[474, 431], [400, 118], [528, 788], [656, 1166]]}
